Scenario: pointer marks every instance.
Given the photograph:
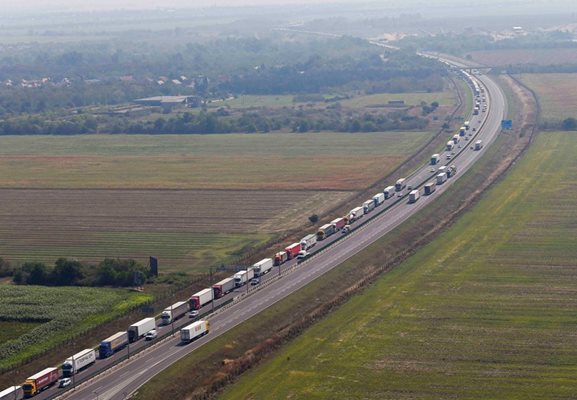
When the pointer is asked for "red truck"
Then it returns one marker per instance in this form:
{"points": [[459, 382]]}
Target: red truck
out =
{"points": [[280, 258], [40, 381], [293, 250]]}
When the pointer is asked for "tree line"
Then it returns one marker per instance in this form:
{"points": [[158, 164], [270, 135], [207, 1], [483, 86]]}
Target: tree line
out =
{"points": [[110, 272]]}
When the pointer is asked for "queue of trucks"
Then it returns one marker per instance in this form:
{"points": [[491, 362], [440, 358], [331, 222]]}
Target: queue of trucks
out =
{"points": [[84, 359]]}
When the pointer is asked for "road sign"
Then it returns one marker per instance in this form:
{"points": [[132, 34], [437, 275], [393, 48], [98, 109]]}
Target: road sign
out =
{"points": [[507, 124]]}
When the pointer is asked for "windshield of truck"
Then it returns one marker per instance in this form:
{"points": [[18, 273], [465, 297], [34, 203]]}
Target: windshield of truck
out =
{"points": [[27, 387]]}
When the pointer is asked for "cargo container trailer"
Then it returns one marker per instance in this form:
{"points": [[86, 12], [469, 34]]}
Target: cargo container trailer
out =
{"points": [[40, 381], [355, 214], [325, 231], [194, 331], [139, 329], [478, 145], [263, 267], [378, 199], [242, 277], [308, 242], [430, 188], [200, 299], [78, 361], [339, 223], [280, 258], [223, 287], [368, 206], [414, 196], [174, 312], [293, 250], [441, 178], [389, 192], [456, 139], [401, 184], [112, 344]]}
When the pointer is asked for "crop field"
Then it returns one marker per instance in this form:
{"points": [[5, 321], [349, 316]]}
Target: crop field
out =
{"points": [[237, 161], [410, 99], [485, 311], [525, 56], [37, 318], [557, 94]]}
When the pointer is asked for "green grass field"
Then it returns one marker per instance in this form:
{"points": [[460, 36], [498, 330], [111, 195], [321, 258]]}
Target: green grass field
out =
{"points": [[410, 99], [485, 311], [557, 94], [236, 161], [33, 318]]}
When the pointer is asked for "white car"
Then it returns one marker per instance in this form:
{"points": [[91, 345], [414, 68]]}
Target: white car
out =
{"points": [[193, 314], [150, 335], [302, 255], [64, 382]]}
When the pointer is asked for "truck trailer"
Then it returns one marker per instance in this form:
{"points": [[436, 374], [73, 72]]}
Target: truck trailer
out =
{"points": [[368, 206], [467, 125], [40, 381], [174, 312], [223, 287], [355, 214], [263, 267], [435, 158], [414, 196], [378, 199], [339, 223], [325, 231], [456, 139], [280, 258], [78, 361], [139, 329], [389, 192], [441, 178], [478, 145], [112, 344], [200, 299], [293, 250], [194, 330], [12, 393], [400, 185], [308, 242], [450, 145], [242, 277], [430, 188]]}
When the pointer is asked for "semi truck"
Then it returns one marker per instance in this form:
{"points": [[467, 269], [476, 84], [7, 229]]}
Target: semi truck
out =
{"points": [[441, 178], [339, 223], [389, 192], [200, 299], [401, 184], [430, 188], [174, 312], [308, 241], [242, 277], [280, 258], [78, 361], [456, 139], [450, 145], [194, 331], [444, 169], [223, 287], [12, 393], [112, 344], [40, 381], [368, 206], [263, 266], [478, 145], [435, 158], [414, 196], [452, 171], [462, 131], [378, 199], [467, 125], [355, 214], [293, 250], [139, 329], [325, 231]]}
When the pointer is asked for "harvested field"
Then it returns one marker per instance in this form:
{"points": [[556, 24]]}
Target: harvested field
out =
{"points": [[485, 311], [557, 94], [507, 57], [313, 161], [187, 230]]}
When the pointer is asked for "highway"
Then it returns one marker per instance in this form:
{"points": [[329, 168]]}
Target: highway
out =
{"points": [[125, 378]]}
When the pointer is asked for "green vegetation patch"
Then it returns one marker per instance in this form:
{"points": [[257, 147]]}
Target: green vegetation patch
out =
{"points": [[410, 99], [557, 94], [60, 314], [485, 311], [227, 161]]}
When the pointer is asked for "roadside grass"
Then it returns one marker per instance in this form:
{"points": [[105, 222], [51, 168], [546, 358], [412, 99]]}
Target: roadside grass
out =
{"points": [[232, 161], [557, 94], [484, 311], [41, 318]]}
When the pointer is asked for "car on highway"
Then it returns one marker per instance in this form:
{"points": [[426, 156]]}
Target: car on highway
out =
{"points": [[346, 229], [302, 255], [254, 281], [64, 382], [193, 314], [151, 334]]}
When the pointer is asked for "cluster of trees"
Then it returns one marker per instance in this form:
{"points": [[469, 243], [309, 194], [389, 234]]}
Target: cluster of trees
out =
{"points": [[65, 272]]}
